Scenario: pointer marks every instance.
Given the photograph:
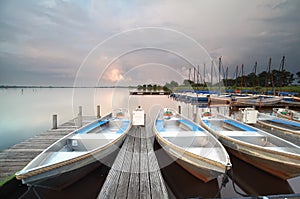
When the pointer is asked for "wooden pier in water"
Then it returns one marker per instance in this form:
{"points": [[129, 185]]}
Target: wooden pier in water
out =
{"points": [[135, 172], [19, 155]]}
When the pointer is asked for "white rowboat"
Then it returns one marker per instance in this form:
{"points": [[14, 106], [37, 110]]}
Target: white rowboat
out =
{"points": [[259, 148], [76, 154], [193, 148]]}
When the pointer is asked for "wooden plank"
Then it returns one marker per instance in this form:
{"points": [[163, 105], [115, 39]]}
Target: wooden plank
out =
{"points": [[158, 189], [144, 171], [138, 176], [122, 189], [110, 186], [133, 189]]}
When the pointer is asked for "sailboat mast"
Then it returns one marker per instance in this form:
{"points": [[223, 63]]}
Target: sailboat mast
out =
{"points": [[226, 76], [282, 70], [242, 79], [204, 75], [194, 75], [236, 75], [211, 75], [198, 75], [220, 62], [255, 67]]}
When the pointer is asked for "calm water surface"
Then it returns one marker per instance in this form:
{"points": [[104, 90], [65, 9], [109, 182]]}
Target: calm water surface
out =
{"points": [[27, 112]]}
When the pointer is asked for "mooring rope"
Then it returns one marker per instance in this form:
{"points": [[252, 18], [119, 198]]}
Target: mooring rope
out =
{"points": [[234, 187], [28, 190], [24, 194], [224, 182], [36, 193]]}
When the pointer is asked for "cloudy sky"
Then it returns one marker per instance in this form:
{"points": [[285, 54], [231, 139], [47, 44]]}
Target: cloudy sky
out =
{"points": [[62, 42]]}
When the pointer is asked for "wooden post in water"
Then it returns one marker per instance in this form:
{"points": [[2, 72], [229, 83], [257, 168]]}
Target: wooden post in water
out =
{"points": [[195, 115], [54, 121], [98, 112], [179, 109], [80, 116]]}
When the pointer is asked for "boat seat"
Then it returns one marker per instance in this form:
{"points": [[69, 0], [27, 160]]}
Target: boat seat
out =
{"points": [[181, 134], [83, 142], [190, 125], [240, 133], [89, 128], [239, 125], [188, 141]]}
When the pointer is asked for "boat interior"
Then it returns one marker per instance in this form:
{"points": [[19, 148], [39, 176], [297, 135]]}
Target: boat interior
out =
{"points": [[190, 137], [88, 138]]}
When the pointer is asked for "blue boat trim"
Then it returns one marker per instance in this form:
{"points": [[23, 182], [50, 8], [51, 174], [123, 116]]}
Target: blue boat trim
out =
{"points": [[191, 125], [238, 125], [92, 126], [285, 122], [160, 126]]}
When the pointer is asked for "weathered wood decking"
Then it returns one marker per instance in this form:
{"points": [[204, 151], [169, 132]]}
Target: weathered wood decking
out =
{"points": [[19, 155], [135, 172]]}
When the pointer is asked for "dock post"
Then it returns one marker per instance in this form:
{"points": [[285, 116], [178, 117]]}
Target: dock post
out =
{"points": [[80, 116], [54, 121], [179, 109], [98, 111]]}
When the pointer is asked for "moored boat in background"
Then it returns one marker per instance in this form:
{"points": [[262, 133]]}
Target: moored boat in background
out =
{"points": [[286, 129], [261, 100], [287, 114], [259, 148]]}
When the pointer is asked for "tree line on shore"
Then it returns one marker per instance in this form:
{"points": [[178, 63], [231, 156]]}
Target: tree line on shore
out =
{"points": [[275, 78]]}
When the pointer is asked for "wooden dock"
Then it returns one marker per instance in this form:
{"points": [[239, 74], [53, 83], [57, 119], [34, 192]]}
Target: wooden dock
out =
{"points": [[135, 172], [149, 93], [19, 155]]}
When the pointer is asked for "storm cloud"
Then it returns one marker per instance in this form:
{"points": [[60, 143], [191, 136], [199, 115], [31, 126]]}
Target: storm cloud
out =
{"points": [[49, 42]]}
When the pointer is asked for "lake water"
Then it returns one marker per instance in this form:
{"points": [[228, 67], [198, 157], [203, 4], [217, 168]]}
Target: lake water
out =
{"points": [[27, 112]]}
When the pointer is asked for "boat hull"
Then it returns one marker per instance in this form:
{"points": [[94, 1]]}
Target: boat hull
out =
{"points": [[202, 171], [61, 181], [219, 100], [277, 168]]}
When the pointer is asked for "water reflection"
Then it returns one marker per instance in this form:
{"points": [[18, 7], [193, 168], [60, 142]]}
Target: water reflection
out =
{"points": [[257, 182]]}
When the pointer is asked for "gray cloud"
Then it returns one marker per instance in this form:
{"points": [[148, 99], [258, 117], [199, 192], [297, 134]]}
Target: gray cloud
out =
{"points": [[45, 42]]}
